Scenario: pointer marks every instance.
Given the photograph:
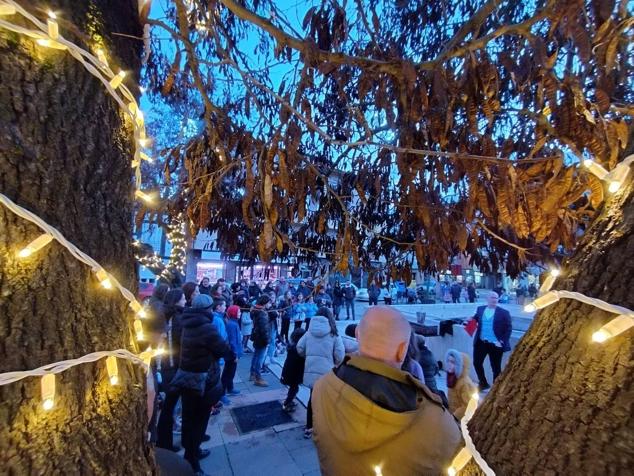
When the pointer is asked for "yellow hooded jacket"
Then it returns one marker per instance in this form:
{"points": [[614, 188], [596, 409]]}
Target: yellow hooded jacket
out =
{"points": [[460, 394], [354, 435]]}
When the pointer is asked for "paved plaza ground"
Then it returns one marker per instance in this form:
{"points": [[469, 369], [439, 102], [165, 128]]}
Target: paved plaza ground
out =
{"points": [[282, 450]]}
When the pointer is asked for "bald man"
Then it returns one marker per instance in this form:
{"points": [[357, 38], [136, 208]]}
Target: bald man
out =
{"points": [[369, 414]]}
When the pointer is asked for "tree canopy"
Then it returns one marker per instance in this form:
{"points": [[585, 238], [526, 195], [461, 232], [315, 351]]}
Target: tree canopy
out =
{"points": [[356, 130]]}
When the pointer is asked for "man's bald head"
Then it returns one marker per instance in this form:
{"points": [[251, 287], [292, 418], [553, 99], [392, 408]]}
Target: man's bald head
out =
{"points": [[383, 335]]}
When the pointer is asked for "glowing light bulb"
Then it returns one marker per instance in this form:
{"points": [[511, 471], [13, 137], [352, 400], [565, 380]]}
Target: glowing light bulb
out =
{"points": [[104, 279], [616, 326], [144, 142], [48, 391], [50, 44], [146, 157], [160, 350], [555, 272], [136, 307], [144, 196], [115, 82], [53, 28], [139, 118], [7, 9], [37, 244], [595, 169], [138, 329], [378, 471], [113, 369], [101, 56], [547, 299], [459, 462], [618, 176]]}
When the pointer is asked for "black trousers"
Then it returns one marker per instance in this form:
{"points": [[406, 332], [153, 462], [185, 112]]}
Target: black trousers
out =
{"points": [[309, 411], [374, 301], [196, 412], [286, 324], [166, 421], [227, 375], [480, 351], [455, 299], [349, 306], [292, 393]]}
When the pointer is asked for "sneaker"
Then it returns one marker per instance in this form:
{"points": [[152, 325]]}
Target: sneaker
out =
{"points": [[252, 377], [260, 382], [215, 411], [247, 350], [202, 454], [289, 407], [484, 387], [219, 404], [206, 437], [308, 433], [234, 392], [225, 400], [265, 370]]}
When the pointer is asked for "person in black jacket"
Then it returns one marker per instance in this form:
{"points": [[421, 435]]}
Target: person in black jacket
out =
{"points": [[293, 370], [155, 324], [261, 337], [337, 299], [174, 305], [198, 376]]}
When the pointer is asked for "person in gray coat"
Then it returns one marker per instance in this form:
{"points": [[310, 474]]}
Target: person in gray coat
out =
{"points": [[323, 350]]}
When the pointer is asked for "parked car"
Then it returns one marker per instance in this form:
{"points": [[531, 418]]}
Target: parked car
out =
{"points": [[145, 291], [362, 294]]}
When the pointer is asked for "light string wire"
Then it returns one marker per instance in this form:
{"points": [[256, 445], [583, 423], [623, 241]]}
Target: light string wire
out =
{"points": [[471, 446], [95, 67], [58, 367], [55, 233]]}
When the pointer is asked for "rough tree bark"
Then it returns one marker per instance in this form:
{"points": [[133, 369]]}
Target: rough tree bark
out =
{"points": [[563, 404], [65, 153]]}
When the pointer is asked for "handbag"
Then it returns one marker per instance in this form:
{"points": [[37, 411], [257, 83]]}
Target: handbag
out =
{"points": [[185, 380]]}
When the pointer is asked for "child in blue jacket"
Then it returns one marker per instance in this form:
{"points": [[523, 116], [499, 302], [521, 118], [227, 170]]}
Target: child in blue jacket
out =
{"points": [[234, 339]]}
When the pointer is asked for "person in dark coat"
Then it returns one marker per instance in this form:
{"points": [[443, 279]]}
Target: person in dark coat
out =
{"points": [[261, 337], [198, 376], [337, 299], [285, 309], [293, 370], [456, 290], [254, 291], [155, 325], [471, 292], [234, 338], [491, 338], [429, 364], [373, 294], [349, 293], [204, 287], [174, 305]]}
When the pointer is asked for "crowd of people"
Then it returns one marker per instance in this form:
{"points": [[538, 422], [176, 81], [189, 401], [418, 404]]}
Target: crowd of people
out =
{"points": [[373, 390]]}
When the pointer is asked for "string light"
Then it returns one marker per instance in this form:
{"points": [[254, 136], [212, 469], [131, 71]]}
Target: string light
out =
{"points": [[547, 299], [48, 35], [103, 278], [113, 370], [378, 471], [549, 281], [596, 169], [116, 81], [460, 460], [618, 175], [136, 307], [48, 391], [37, 244], [101, 56], [53, 28], [616, 326], [146, 157], [138, 329], [6, 9], [146, 197]]}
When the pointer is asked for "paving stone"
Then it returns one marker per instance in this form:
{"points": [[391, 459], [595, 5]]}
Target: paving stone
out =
{"points": [[306, 457], [294, 439], [217, 463]]}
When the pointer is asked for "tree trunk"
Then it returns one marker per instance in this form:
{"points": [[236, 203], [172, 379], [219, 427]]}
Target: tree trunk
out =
{"points": [[65, 154], [564, 403]]}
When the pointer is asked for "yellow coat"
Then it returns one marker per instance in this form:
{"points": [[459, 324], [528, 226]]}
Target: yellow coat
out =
{"points": [[354, 435], [460, 394]]}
